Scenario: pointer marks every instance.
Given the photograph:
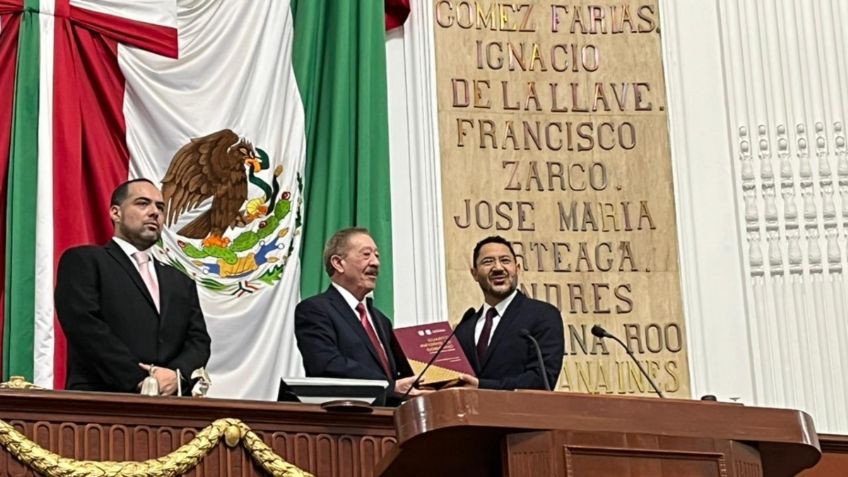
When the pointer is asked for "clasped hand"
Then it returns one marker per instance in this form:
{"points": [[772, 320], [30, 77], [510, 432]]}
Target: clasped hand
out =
{"points": [[167, 378]]}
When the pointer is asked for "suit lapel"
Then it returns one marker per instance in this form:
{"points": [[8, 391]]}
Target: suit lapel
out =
{"points": [[349, 316], [465, 335], [124, 261], [164, 284], [505, 327], [382, 334]]}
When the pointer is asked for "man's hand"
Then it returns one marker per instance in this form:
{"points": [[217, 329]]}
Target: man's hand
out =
{"points": [[402, 385], [469, 381], [167, 379]]}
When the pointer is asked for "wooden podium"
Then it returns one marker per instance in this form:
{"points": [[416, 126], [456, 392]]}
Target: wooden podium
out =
{"points": [[463, 433], [126, 427], [473, 433]]}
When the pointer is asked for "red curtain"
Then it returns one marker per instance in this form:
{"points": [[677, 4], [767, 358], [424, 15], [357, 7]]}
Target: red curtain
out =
{"points": [[396, 13]]}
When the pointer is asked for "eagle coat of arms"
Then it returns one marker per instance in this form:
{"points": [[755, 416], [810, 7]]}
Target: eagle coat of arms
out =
{"points": [[239, 212]]}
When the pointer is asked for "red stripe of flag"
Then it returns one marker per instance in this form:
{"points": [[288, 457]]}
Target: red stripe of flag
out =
{"points": [[10, 6], [90, 154], [9, 27]]}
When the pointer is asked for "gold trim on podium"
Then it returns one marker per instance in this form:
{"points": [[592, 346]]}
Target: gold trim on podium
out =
{"points": [[182, 460], [18, 382]]}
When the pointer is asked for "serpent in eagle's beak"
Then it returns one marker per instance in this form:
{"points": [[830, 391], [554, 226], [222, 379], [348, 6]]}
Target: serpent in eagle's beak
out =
{"points": [[252, 161]]}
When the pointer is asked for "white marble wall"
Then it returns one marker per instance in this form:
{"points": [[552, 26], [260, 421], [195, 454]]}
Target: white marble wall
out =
{"points": [[758, 94]]}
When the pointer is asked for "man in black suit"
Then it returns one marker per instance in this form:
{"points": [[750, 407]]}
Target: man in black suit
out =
{"points": [[492, 338], [340, 333], [125, 314]]}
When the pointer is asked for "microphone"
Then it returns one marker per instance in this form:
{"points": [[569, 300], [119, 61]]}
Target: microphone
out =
{"points": [[468, 313], [598, 331], [524, 333]]}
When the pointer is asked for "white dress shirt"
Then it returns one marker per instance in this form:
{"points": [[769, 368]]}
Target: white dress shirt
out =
{"points": [[352, 302], [501, 309], [130, 249]]}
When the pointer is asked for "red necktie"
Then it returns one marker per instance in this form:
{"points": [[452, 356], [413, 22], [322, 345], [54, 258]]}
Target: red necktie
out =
{"points": [[483, 342], [375, 341]]}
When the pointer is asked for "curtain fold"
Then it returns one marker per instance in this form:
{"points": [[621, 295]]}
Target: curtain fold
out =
{"points": [[340, 65], [9, 28], [74, 132], [19, 289]]}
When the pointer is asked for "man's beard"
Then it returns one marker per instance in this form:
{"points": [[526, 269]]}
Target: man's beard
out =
{"points": [[489, 287]]}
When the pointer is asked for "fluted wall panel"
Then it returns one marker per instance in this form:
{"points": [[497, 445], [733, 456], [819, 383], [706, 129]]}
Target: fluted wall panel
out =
{"points": [[757, 101], [785, 77]]}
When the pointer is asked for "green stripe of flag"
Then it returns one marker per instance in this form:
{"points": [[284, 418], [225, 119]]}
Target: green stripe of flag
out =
{"points": [[21, 210], [339, 57]]}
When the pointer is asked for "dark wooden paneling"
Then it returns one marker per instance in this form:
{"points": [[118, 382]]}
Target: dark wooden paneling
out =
{"points": [[135, 428], [834, 461], [633, 454], [597, 436], [464, 431]]}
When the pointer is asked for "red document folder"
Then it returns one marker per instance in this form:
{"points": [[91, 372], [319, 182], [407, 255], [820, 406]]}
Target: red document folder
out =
{"points": [[421, 342]]}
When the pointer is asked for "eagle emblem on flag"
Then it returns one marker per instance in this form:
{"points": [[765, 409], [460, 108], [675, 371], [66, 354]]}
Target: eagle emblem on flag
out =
{"points": [[236, 212]]}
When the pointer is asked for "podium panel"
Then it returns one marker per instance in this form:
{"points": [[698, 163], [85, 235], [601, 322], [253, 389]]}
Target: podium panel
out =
{"points": [[834, 457], [456, 432], [608, 454], [605, 454], [530, 433], [124, 427]]}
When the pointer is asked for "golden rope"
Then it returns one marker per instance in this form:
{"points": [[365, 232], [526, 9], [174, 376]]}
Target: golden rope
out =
{"points": [[18, 382], [182, 460]]}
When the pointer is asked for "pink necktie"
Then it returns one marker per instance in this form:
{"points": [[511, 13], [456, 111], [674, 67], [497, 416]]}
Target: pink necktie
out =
{"points": [[375, 342], [142, 258]]}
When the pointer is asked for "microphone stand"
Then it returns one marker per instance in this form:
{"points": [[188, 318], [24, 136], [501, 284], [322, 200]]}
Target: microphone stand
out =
{"points": [[468, 313], [526, 333], [598, 331]]}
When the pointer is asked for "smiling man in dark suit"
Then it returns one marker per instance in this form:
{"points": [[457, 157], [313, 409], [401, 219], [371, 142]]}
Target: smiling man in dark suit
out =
{"points": [[492, 338], [124, 313], [340, 333]]}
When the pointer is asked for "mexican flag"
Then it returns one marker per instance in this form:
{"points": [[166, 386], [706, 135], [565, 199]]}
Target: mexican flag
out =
{"points": [[93, 92]]}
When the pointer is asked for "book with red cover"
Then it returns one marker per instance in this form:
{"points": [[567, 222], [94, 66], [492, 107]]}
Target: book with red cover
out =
{"points": [[420, 343]]}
